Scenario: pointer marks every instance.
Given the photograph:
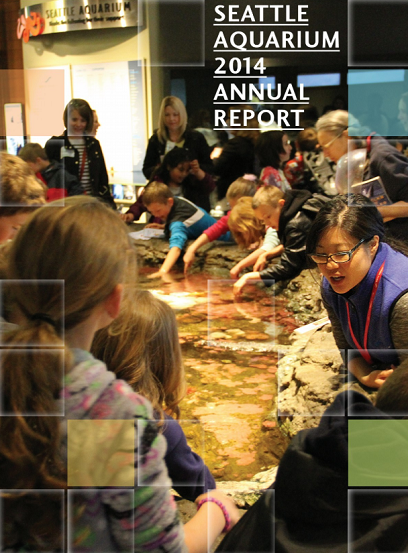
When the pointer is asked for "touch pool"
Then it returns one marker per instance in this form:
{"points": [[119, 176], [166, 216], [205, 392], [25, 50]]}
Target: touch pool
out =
{"points": [[230, 357]]}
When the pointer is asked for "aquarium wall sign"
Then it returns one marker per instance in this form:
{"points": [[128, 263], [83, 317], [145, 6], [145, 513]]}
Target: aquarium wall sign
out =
{"points": [[76, 15]]}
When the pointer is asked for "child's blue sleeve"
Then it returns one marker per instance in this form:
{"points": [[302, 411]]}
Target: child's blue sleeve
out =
{"points": [[178, 235]]}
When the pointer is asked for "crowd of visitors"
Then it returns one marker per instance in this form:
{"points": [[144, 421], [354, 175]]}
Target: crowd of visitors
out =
{"points": [[91, 367]]}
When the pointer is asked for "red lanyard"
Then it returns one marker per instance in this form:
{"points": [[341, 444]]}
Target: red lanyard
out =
{"points": [[364, 351]]}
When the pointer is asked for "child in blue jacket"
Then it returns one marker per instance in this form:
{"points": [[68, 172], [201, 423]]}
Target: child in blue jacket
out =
{"points": [[183, 221]]}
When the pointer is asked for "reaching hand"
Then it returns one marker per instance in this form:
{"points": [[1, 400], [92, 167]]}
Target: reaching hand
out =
{"points": [[234, 272], [260, 262], [157, 274], [188, 260], [155, 225], [238, 286], [127, 217]]}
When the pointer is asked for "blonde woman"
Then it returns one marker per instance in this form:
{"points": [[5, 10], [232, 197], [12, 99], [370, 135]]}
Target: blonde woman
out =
{"points": [[172, 132]]}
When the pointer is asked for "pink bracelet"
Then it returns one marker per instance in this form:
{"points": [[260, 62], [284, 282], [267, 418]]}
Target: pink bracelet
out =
{"points": [[221, 506]]}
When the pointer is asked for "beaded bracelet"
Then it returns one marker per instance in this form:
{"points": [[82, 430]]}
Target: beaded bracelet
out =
{"points": [[221, 506]]}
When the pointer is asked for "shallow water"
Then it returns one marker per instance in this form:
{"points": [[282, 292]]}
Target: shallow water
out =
{"points": [[230, 357]]}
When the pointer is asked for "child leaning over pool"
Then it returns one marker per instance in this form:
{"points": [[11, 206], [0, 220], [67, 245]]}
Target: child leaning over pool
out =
{"points": [[291, 213], [142, 347], [249, 232], [183, 221], [243, 186]]}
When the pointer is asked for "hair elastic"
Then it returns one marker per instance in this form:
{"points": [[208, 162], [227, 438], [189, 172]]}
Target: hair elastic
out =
{"points": [[45, 318], [221, 506]]}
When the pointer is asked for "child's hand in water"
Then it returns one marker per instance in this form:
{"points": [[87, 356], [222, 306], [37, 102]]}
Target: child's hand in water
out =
{"points": [[196, 170], [188, 260], [238, 286], [234, 272], [157, 274]]}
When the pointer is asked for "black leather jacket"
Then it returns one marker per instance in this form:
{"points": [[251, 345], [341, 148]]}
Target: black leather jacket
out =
{"points": [[194, 142], [97, 167], [295, 221]]}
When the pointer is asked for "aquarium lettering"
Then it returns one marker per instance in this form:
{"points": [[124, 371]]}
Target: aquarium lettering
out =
{"points": [[88, 9], [245, 29], [252, 14], [273, 41]]}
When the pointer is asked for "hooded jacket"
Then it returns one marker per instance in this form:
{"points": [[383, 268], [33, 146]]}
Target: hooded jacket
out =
{"points": [[143, 518], [311, 509], [298, 212], [392, 166]]}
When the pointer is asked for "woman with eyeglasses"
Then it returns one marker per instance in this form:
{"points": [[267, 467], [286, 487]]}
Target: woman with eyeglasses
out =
{"points": [[383, 160], [332, 133], [364, 286]]}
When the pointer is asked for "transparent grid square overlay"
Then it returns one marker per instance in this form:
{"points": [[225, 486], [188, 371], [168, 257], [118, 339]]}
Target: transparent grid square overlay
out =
{"points": [[363, 502], [351, 62], [35, 501], [53, 380], [87, 526], [373, 98], [350, 177], [392, 408], [253, 321], [101, 453], [52, 288], [46, 92], [179, 30], [378, 452], [151, 443], [305, 367]]}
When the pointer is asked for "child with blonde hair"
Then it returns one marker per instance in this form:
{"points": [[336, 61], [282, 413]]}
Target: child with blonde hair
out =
{"points": [[20, 194], [242, 187], [142, 347], [249, 231], [68, 270], [291, 214]]}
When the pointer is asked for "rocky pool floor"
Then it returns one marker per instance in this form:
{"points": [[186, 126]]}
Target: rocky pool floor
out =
{"points": [[230, 351]]}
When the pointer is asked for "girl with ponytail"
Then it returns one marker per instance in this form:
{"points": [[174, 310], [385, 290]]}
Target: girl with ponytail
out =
{"points": [[67, 272]]}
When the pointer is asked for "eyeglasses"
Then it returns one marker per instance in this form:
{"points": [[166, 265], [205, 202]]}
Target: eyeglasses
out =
{"points": [[339, 257], [331, 141]]}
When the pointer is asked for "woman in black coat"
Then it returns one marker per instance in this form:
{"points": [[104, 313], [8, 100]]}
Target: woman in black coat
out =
{"points": [[81, 153], [172, 132]]}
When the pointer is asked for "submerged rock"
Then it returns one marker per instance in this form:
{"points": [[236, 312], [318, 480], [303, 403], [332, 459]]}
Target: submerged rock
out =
{"points": [[216, 258]]}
